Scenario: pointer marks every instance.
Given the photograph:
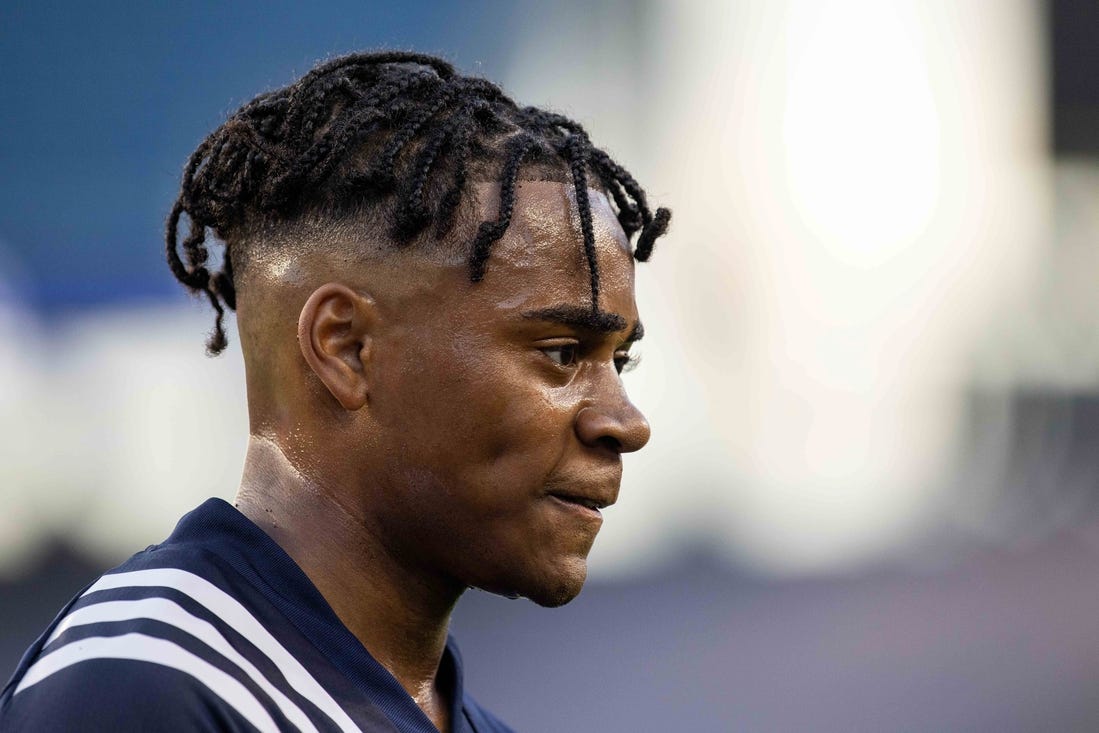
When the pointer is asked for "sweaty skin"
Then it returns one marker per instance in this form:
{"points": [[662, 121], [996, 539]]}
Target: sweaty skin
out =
{"points": [[414, 434]]}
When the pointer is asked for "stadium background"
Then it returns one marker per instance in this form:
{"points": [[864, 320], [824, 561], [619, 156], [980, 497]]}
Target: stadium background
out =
{"points": [[870, 501]]}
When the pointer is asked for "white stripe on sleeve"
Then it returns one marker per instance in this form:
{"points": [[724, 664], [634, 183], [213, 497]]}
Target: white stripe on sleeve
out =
{"points": [[170, 612], [142, 648], [233, 613]]}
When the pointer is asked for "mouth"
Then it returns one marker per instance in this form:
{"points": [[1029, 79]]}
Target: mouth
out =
{"points": [[583, 504], [581, 501]]}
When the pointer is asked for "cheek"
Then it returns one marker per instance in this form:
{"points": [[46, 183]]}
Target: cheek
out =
{"points": [[478, 414], [509, 418], [487, 388], [526, 421]]}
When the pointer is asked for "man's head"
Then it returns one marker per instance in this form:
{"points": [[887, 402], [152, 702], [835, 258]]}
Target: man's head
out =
{"points": [[435, 295]]}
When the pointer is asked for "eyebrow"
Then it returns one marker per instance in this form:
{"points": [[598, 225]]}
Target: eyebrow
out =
{"points": [[586, 319]]}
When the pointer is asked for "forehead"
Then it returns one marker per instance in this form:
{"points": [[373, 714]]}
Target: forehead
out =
{"points": [[547, 211], [541, 254]]}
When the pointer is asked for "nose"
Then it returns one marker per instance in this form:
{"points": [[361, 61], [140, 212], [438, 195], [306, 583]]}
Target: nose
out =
{"points": [[615, 424]]}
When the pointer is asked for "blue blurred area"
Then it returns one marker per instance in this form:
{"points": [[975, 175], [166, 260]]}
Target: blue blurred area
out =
{"points": [[102, 103]]}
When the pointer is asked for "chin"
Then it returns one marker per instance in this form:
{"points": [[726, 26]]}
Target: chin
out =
{"points": [[558, 588], [556, 597], [549, 590]]}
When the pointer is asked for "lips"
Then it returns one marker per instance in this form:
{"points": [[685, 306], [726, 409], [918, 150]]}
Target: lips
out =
{"points": [[585, 501], [591, 490]]}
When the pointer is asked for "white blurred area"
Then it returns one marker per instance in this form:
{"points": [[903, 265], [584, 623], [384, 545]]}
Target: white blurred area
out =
{"points": [[862, 194], [115, 424]]}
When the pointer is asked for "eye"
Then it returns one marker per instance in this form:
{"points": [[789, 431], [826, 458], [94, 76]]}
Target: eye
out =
{"points": [[562, 354], [625, 362]]}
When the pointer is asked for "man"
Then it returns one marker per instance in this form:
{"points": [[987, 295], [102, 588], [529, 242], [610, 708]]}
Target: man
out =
{"points": [[435, 296]]}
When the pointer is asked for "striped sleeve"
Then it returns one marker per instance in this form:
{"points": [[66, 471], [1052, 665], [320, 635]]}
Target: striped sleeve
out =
{"points": [[111, 691], [165, 649]]}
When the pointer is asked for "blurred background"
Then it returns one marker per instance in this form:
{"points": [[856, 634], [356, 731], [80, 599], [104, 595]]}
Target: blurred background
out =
{"points": [[871, 500]]}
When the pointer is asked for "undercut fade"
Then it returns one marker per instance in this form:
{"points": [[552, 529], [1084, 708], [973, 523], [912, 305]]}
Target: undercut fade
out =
{"points": [[398, 135]]}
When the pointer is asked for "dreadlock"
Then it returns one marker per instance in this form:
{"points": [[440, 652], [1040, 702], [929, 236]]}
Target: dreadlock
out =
{"points": [[399, 127]]}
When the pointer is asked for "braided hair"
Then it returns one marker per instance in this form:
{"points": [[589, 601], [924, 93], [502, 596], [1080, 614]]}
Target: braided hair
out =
{"points": [[370, 128]]}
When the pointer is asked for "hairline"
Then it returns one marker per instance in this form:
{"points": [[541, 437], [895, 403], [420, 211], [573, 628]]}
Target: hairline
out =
{"points": [[363, 234]]}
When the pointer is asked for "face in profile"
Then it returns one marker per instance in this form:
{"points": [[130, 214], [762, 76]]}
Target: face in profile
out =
{"points": [[499, 407]]}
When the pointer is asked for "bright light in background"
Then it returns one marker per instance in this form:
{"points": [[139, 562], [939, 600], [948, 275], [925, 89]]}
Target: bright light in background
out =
{"points": [[859, 188], [886, 162], [860, 129]]}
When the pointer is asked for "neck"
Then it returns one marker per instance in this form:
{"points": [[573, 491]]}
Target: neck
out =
{"points": [[400, 616]]}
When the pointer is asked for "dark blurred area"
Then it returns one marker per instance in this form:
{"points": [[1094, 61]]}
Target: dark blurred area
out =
{"points": [[1075, 67]]}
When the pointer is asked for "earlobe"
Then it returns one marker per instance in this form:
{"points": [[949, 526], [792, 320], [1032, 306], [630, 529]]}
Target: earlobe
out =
{"points": [[334, 333]]}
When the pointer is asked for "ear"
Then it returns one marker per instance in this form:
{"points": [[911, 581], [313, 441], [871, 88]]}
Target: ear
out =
{"points": [[335, 329]]}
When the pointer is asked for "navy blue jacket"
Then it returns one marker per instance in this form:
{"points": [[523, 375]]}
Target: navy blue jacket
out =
{"points": [[215, 629]]}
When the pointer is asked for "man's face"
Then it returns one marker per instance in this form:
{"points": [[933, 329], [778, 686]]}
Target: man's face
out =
{"points": [[497, 407]]}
